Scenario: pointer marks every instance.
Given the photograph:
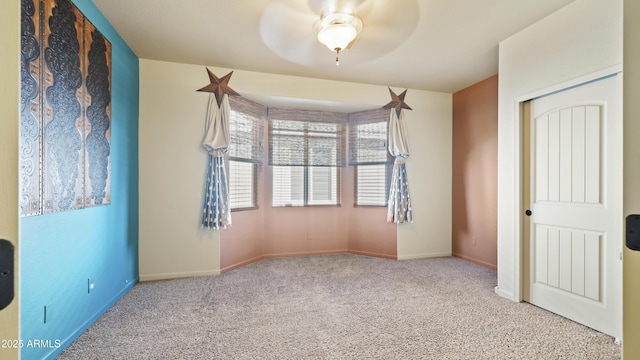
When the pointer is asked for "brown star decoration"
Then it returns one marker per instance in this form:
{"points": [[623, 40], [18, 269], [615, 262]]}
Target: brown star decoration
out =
{"points": [[219, 87], [397, 102]]}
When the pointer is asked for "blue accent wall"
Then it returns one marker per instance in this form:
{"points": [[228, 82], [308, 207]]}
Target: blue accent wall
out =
{"points": [[62, 253]]}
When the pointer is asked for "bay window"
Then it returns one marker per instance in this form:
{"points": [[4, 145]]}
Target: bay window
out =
{"points": [[306, 151]]}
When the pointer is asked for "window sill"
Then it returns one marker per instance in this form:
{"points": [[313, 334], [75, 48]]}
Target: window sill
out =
{"points": [[245, 209]]}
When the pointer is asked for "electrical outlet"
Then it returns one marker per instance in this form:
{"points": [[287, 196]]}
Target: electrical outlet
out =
{"points": [[309, 237], [473, 241], [90, 286]]}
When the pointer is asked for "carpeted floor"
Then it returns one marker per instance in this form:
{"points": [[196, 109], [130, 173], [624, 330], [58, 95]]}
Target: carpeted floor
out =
{"points": [[335, 307]]}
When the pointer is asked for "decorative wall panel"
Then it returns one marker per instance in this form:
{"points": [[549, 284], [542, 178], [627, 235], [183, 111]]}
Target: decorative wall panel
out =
{"points": [[30, 111], [66, 110]]}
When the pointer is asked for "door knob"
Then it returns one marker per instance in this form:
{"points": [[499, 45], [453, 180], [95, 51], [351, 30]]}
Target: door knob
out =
{"points": [[528, 212]]}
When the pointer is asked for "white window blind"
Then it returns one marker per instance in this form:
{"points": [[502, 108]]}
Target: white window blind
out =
{"points": [[323, 185], [246, 151], [242, 185], [305, 185], [372, 185], [288, 186], [368, 152]]}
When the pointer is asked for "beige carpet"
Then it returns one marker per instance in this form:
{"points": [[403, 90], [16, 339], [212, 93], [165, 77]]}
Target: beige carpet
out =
{"points": [[335, 307]]}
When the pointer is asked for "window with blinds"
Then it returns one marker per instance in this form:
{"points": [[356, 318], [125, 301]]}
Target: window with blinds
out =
{"points": [[246, 151], [369, 154], [305, 185], [306, 149], [243, 179], [372, 185]]}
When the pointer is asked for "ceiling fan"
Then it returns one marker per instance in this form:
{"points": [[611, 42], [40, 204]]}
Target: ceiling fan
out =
{"points": [[300, 31]]}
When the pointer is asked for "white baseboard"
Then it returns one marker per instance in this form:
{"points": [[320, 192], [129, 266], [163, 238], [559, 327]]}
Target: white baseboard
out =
{"points": [[373, 254], [423, 256], [241, 264], [504, 294], [305, 253], [167, 276], [476, 261]]}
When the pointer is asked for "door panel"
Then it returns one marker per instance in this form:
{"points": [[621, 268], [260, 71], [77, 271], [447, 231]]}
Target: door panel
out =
{"points": [[568, 260], [575, 195]]}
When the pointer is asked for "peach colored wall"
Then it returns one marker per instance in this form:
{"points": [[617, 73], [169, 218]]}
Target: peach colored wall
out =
{"points": [[475, 158], [291, 231], [369, 232], [303, 231], [241, 243]]}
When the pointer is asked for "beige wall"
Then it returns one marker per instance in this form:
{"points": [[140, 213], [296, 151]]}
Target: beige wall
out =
{"points": [[429, 126], [172, 172], [9, 119], [577, 43], [475, 171], [631, 260], [172, 168]]}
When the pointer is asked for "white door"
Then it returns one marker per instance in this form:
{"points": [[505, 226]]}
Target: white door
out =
{"points": [[575, 194]]}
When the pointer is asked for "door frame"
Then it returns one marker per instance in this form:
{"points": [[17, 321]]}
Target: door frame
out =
{"points": [[518, 134], [9, 134]]}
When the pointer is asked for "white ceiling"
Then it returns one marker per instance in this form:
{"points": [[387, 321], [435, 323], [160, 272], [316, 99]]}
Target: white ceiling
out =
{"points": [[437, 45]]}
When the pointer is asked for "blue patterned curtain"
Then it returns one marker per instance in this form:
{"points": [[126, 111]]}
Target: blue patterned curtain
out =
{"points": [[399, 208], [216, 213]]}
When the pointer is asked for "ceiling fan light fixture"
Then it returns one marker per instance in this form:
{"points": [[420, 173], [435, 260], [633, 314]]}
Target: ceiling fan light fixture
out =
{"points": [[337, 36], [338, 30]]}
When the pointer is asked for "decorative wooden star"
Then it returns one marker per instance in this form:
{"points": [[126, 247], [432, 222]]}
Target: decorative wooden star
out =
{"points": [[397, 102], [219, 87]]}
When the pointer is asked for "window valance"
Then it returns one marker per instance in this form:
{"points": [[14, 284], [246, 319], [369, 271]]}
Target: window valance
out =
{"points": [[246, 128], [368, 137], [306, 138]]}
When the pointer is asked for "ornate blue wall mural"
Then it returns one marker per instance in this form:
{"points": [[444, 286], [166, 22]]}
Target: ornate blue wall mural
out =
{"points": [[30, 134], [63, 142], [98, 117], [66, 110]]}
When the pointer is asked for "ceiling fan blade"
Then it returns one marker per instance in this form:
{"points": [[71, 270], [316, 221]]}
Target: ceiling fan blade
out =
{"points": [[359, 7], [287, 29]]}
